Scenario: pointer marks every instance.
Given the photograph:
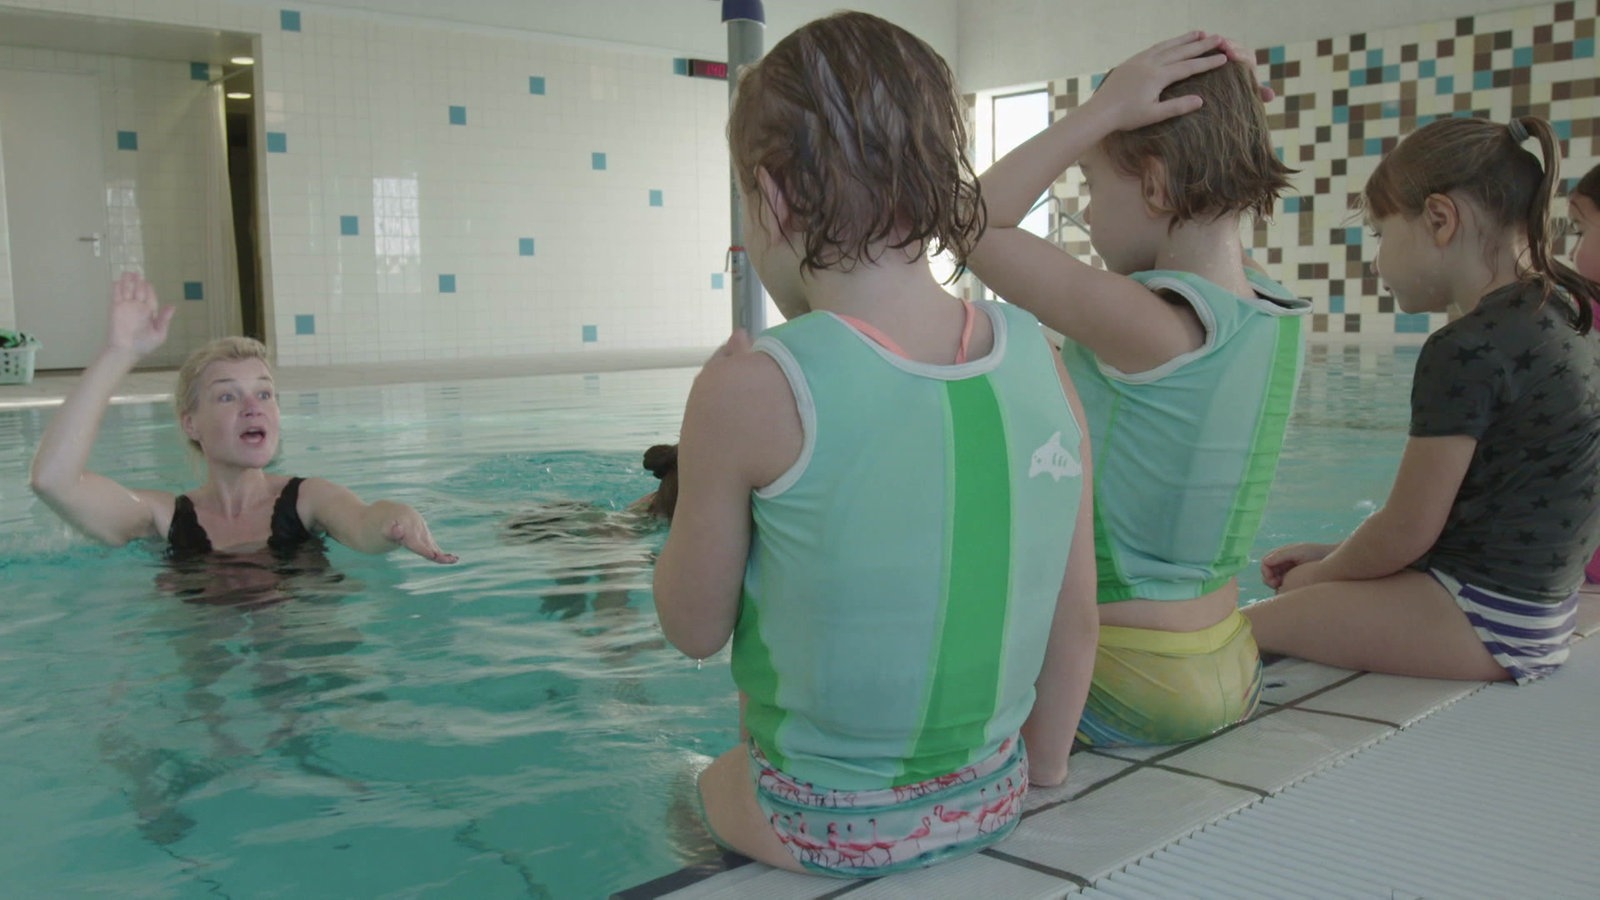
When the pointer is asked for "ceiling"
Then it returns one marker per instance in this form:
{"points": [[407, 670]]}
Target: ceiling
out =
{"points": [[118, 37]]}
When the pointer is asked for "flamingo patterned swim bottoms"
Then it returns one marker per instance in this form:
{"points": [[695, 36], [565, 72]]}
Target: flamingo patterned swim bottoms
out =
{"points": [[864, 834]]}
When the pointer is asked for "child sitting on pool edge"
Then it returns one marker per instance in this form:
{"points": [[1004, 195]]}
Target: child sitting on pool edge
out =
{"points": [[1187, 362], [1470, 569], [878, 505]]}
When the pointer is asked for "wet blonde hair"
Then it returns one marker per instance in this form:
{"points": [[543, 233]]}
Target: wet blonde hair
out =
{"points": [[227, 349], [1219, 159], [858, 123], [1486, 163]]}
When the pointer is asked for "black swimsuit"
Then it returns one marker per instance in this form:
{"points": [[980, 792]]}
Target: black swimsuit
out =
{"points": [[187, 538]]}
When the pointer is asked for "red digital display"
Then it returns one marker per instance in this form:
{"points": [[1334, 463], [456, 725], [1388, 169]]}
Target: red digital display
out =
{"points": [[705, 68]]}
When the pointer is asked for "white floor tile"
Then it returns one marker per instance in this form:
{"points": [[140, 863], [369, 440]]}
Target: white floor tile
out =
{"points": [[973, 876], [757, 880], [1287, 680], [1122, 822], [1391, 698], [1086, 771], [1277, 750]]}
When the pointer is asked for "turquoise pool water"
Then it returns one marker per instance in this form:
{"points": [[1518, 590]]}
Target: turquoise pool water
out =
{"points": [[511, 726]]}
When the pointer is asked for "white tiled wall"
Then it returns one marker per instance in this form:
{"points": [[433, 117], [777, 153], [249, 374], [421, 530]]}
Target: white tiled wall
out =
{"points": [[155, 194], [356, 121], [8, 309]]}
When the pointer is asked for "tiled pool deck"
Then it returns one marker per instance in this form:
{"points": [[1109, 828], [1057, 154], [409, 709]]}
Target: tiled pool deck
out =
{"points": [[1121, 810]]}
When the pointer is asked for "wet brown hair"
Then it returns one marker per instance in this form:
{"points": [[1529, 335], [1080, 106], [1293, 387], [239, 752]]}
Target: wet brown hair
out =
{"points": [[226, 349], [662, 462], [1485, 163], [858, 122], [1219, 159]]}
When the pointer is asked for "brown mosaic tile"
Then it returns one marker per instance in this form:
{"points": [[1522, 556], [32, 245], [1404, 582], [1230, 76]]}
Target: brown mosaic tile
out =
{"points": [[1464, 26], [1319, 321], [1341, 63], [1445, 49], [1502, 40], [1408, 53], [1325, 47], [1358, 42], [1564, 11], [1543, 34], [1352, 324]]}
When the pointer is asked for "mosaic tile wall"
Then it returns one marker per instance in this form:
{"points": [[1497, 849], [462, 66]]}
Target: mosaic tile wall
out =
{"points": [[1345, 101]]}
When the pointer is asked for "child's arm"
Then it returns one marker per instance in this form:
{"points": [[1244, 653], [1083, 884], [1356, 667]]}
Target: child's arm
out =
{"points": [[1063, 683], [94, 504], [740, 431], [1118, 319], [377, 527], [1425, 488]]}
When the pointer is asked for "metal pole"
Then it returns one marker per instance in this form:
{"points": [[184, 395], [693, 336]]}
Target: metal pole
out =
{"points": [[746, 21]]}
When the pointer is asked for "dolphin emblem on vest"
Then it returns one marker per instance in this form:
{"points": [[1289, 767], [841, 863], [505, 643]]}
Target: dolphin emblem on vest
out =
{"points": [[1053, 459]]}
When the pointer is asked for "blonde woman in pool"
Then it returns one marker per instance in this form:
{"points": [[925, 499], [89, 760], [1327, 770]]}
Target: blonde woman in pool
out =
{"points": [[228, 409]]}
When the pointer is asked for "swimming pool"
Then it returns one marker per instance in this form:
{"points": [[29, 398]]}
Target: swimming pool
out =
{"points": [[511, 726]]}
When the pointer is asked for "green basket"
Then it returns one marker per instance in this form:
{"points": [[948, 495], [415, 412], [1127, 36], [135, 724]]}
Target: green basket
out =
{"points": [[16, 364]]}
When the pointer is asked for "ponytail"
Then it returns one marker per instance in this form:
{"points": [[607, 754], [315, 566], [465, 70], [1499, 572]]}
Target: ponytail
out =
{"points": [[1552, 272]]}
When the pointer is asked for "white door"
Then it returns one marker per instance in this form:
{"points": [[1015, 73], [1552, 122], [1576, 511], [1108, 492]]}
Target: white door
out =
{"points": [[51, 141]]}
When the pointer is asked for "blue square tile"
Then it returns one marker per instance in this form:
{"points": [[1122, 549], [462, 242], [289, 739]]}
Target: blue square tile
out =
{"points": [[1391, 109], [591, 333], [349, 225], [447, 284], [1276, 54], [1341, 115], [656, 199], [1352, 236], [1391, 74], [1482, 81], [277, 142], [199, 71], [1291, 204], [1562, 128], [1374, 58], [524, 246], [1358, 77], [1522, 57], [1427, 68], [1583, 48], [680, 66], [1372, 147], [1094, 81], [1445, 85], [716, 281], [458, 115], [1424, 120], [597, 162], [194, 290], [536, 84], [1336, 303], [305, 324], [127, 140], [289, 20], [1410, 323]]}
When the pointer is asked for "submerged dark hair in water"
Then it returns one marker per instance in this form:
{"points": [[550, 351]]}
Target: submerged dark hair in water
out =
{"points": [[662, 462]]}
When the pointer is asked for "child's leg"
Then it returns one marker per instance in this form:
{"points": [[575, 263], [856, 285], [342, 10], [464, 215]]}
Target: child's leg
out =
{"points": [[735, 819], [1404, 624]]}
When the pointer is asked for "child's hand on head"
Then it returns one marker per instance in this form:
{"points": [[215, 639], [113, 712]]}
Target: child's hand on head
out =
{"points": [[1238, 53], [1131, 93]]}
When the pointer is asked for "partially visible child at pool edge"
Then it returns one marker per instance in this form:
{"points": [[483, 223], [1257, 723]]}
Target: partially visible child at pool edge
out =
{"points": [[228, 409], [1583, 212], [879, 503], [1471, 568], [1186, 359]]}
